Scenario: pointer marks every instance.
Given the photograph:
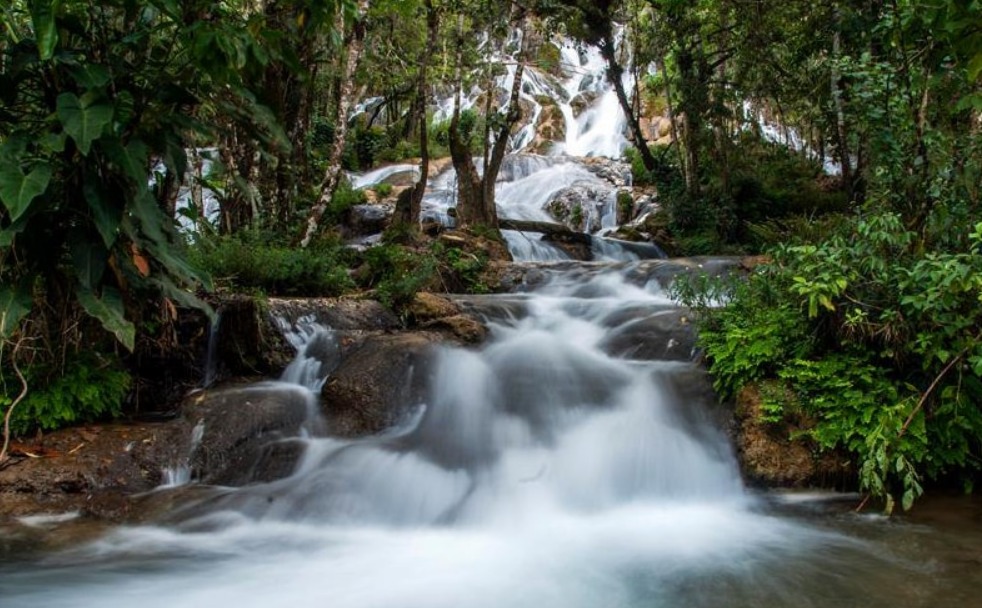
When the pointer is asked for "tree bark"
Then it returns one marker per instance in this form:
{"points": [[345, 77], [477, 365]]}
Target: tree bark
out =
{"points": [[475, 193], [615, 74], [332, 177], [409, 208]]}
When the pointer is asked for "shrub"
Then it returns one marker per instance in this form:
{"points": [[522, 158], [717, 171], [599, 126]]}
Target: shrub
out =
{"points": [[92, 386], [397, 274], [253, 262], [875, 339]]}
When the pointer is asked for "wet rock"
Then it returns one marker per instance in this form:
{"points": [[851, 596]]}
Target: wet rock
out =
{"points": [[437, 313], [248, 343], [336, 313], [363, 220], [244, 428], [576, 248], [581, 206], [639, 334], [379, 383], [583, 100], [87, 469], [551, 128], [614, 172]]}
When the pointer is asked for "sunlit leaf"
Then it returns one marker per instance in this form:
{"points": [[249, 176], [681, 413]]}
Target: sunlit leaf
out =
{"points": [[45, 28]]}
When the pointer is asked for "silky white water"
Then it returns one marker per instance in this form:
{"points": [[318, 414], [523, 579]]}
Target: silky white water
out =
{"points": [[547, 469], [542, 470]]}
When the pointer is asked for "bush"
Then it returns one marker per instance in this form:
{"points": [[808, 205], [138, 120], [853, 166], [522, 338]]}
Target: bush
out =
{"points": [[397, 274], [768, 184], [874, 338], [91, 387], [251, 261]]}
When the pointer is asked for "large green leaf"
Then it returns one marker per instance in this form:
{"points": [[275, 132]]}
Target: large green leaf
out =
{"points": [[184, 297], [45, 29], [90, 75], [89, 259], [105, 213], [17, 190], [15, 303], [7, 234], [132, 159], [111, 313], [83, 120]]}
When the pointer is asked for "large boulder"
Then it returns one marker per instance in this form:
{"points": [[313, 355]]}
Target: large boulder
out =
{"points": [[581, 206], [363, 220], [379, 383], [246, 434]]}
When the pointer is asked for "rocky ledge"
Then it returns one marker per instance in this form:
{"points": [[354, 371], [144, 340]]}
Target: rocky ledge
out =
{"points": [[64, 486]]}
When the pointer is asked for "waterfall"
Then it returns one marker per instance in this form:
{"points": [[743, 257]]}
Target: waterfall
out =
{"points": [[558, 465], [317, 352]]}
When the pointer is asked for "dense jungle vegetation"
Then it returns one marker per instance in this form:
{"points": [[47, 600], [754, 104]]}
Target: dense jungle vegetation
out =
{"points": [[861, 327]]}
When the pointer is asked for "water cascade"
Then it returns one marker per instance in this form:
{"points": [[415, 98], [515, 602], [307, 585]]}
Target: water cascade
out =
{"points": [[572, 461]]}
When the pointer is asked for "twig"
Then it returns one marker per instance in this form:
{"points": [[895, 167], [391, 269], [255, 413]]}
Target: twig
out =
{"points": [[930, 389], [20, 397]]}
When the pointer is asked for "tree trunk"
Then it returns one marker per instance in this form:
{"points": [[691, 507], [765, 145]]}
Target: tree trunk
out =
{"points": [[409, 208], [332, 177], [475, 194], [615, 74], [670, 107], [838, 92]]}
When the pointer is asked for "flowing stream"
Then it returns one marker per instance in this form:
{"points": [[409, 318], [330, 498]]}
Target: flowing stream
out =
{"points": [[552, 467], [572, 461]]}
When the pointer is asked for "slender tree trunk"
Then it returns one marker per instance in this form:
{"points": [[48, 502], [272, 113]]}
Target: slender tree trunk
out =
{"points": [[838, 92], [409, 208], [468, 182], [332, 177], [615, 74], [670, 108]]}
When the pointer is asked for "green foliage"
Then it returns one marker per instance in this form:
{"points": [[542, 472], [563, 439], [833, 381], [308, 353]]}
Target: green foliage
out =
{"points": [[368, 144], [768, 186], [576, 216], [383, 190], [91, 387], [345, 197], [461, 271], [471, 128], [254, 261], [398, 273], [92, 101], [875, 339]]}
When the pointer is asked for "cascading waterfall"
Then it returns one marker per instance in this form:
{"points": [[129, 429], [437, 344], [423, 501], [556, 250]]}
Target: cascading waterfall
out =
{"points": [[529, 182], [551, 468], [563, 464]]}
